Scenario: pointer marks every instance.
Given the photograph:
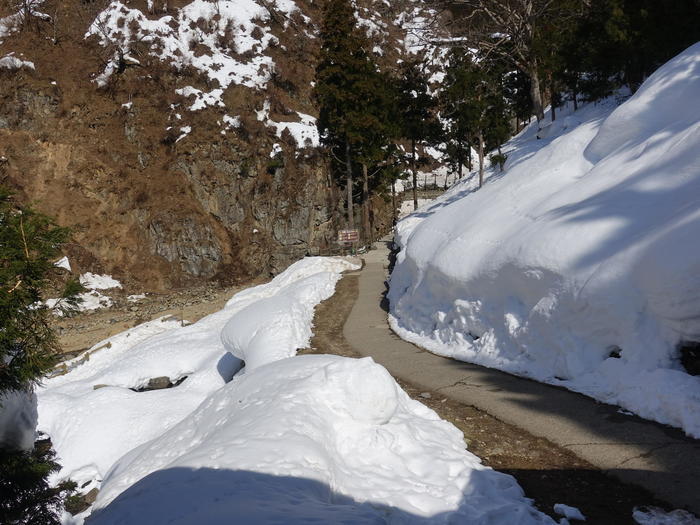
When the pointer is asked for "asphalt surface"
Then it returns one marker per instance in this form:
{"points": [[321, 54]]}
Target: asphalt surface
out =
{"points": [[659, 458]]}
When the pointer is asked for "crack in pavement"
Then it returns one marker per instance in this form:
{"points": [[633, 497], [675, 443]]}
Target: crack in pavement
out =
{"points": [[645, 455], [459, 382]]}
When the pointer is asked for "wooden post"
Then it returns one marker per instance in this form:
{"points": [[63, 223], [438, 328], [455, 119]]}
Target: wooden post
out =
{"points": [[481, 158], [393, 203], [365, 204], [348, 167], [415, 176]]}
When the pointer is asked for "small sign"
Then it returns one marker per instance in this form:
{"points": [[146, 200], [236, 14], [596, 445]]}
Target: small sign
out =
{"points": [[348, 236]]}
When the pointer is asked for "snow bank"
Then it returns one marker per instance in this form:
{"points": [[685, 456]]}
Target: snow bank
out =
{"points": [[406, 207], [91, 300], [94, 417], [93, 281], [14, 22], [570, 513], [274, 327], [312, 438], [580, 266], [293, 440]]}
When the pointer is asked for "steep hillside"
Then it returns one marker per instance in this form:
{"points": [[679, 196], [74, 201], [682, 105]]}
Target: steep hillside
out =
{"points": [[178, 145], [579, 266]]}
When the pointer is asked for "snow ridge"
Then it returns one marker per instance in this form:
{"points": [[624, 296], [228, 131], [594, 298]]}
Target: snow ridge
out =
{"points": [[292, 439], [578, 266]]}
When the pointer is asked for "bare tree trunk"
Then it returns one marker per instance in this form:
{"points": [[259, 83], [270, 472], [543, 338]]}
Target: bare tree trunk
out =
{"points": [[348, 174], [393, 202], [415, 176], [470, 164], [535, 93], [575, 97], [481, 158], [55, 25], [460, 161], [365, 205]]}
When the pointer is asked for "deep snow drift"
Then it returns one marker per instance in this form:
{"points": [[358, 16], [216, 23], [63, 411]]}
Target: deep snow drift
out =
{"points": [[93, 416], [312, 438], [579, 266], [285, 440]]}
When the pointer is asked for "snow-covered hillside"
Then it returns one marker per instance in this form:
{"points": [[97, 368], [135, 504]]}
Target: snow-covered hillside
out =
{"points": [[580, 266], [283, 440]]}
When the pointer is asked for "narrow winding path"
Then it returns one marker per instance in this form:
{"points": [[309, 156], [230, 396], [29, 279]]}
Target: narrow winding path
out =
{"points": [[658, 458]]}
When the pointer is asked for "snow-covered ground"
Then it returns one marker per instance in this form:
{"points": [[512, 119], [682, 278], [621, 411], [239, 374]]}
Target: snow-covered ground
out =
{"points": [[313, 438], [407, 206], [579, 266], [284, 440], [92, 299], [93, 416], [439, 178]]}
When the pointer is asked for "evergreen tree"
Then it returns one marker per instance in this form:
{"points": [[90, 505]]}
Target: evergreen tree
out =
{"points": [[516, 86], [475, 105], [375, 144], [29, 242], [624, 41], [28, 346], [416, 107], [345, 77], [457, 110], [27, 498]]}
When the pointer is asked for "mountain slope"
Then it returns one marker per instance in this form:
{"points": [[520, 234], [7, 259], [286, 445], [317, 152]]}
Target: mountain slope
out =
{"points": [[179, 145]]}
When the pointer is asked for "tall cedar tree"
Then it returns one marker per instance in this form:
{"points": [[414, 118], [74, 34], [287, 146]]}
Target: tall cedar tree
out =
{"points": [[375, 144], [416, 113], [29, 242], [474, 103], [347, 82], [452, 110], [460, 107]]}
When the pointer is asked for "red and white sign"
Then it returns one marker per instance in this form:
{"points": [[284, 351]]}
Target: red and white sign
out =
{"points": [[348, 236]]}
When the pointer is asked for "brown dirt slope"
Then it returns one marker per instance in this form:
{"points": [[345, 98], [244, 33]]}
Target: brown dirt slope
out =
{"points": [[142, 206]]}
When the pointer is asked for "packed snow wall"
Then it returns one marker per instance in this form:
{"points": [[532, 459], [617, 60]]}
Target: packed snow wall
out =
{"points": [[579, 266]]}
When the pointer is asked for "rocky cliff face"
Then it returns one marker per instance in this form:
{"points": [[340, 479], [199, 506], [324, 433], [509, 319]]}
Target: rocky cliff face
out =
{"points": [[178, 145]]}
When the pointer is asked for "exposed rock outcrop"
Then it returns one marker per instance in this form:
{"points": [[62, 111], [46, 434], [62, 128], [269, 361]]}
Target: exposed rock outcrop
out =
{"points": [[179, 146]]}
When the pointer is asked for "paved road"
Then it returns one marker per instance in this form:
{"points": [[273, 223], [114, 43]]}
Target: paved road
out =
{"points": [[659, 458]]}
